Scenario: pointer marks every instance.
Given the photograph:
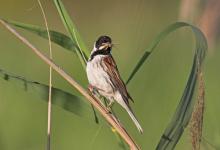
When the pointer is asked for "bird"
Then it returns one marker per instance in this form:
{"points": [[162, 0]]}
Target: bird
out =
{"points": [[103, 76]]}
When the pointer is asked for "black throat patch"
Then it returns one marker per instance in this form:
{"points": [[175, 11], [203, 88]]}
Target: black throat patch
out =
{"points": [[100, 52]]}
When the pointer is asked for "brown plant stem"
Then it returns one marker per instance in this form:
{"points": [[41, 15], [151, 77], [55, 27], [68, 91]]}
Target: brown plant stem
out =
{"points": [[93, 100]]}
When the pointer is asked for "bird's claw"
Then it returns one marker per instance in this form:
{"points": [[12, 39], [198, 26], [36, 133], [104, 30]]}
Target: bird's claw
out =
{"points": [[92, 89], [109, 106]]}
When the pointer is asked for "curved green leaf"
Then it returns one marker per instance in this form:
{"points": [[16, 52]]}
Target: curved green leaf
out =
{"points": [[65, 100], [139, 64], [184, 109], [157, 40], [83, 52], [56, 37]]}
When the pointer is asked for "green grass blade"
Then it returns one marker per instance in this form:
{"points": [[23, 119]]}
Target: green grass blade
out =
{"points": [[152, 47], [139, 64], [56, 37], [184, 109], [67, 101], [83, 52]]}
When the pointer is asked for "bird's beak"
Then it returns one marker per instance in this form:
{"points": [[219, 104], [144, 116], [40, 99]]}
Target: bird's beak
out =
{"points": [[105, 46]]}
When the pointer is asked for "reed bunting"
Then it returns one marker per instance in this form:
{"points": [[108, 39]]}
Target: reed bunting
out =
{"points": [[104, 77]]}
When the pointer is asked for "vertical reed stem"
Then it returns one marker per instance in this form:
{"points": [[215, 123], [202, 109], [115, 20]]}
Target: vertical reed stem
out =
{"points": [[50, 81]]}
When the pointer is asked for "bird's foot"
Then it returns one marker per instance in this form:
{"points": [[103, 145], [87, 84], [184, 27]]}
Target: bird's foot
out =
{"points": [[109, 106], [92, 89], [109, 111]]}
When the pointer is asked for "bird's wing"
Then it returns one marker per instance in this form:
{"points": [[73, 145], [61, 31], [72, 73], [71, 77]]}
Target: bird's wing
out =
{"points": [[112, 70]]}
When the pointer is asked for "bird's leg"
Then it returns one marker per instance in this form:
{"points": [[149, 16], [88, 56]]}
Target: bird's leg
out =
{"points": [[93, 89], [109, 106]]}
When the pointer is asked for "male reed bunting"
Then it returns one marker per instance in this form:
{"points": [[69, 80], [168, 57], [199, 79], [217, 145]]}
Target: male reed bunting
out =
{"points": [[104, 77]]}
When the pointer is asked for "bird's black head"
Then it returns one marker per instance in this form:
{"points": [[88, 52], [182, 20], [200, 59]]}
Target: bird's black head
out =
{"points": [[103, 43]]}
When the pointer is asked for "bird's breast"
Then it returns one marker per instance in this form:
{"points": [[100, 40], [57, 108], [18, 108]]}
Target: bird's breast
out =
{"points": [[97, 76]]}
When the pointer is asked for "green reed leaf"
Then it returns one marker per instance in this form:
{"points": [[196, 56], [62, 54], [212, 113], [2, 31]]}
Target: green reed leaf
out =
{"points": [[56, 37], [83, 52], [184, 109], [154, 44], [139, 64], [183, 112], [67, 101]]}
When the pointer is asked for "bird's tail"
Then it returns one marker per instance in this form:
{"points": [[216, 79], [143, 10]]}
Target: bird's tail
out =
{"points": [[134, 119]]}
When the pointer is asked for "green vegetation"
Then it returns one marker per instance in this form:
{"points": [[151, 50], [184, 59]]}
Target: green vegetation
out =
{"points": [[99, 135]]}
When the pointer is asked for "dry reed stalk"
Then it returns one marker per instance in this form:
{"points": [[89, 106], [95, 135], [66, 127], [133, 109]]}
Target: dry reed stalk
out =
{"points": [[96, 102]]}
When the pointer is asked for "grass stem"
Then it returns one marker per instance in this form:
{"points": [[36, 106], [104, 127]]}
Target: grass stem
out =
{"points": [[50, 81]]}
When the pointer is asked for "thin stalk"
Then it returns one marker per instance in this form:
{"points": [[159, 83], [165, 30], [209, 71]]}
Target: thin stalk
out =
{"points": [[49, 123], [96, 102]]}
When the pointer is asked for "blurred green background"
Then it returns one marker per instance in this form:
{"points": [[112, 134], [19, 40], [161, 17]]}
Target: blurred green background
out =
{"points": [[156, 89]]}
